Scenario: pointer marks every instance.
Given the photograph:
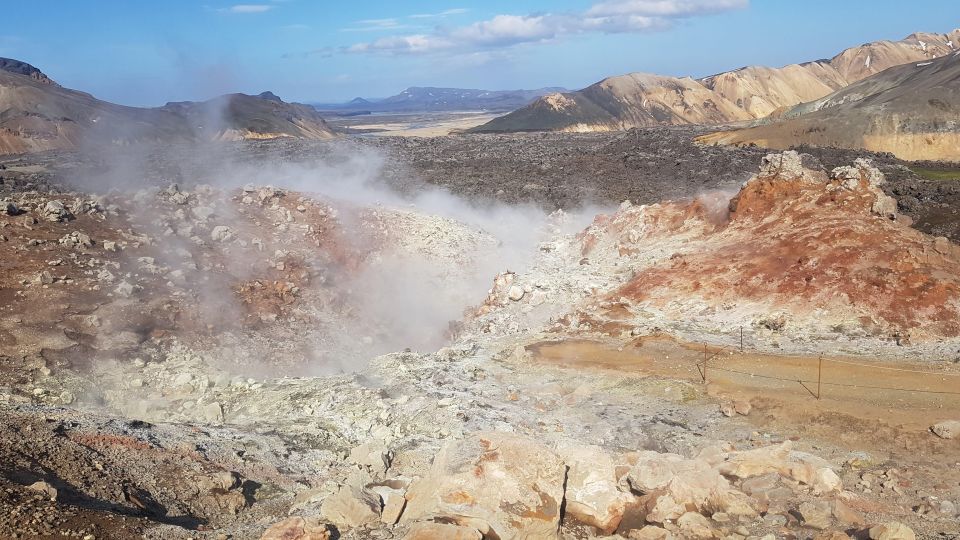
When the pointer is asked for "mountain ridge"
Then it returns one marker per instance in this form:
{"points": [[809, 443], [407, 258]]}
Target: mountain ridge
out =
{"points": [[36, 114], [908, 110], [745, 94], [436, 98]]}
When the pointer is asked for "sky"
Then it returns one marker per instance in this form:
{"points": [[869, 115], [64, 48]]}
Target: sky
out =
{"points": [[146, 53]]}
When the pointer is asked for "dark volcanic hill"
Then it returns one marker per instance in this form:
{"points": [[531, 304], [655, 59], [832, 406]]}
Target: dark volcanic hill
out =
{"points": [[37, 114], [912, 111], [426, 99], [239, 116], [741, 95]]}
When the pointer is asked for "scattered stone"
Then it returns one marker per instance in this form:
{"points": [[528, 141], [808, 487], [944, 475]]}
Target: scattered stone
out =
{"points": [[373, 455], [221, 233], [650, 532], [45, 488], [694, 525], [124, 289], [516, 293], [847, 515], [297, 528], [893, 530], [393, 503], [109, 245], [351, 507], [9, 208], [55, 211], [742, 407], [815, 515], [727, 410], [831, 535], [947, 429], [429, 530], [212, 412], [826, 481]]}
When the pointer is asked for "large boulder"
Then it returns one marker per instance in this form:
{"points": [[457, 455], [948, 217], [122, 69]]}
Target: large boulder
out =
{"points": [[592, 495], [502, 484], [673, 485]]}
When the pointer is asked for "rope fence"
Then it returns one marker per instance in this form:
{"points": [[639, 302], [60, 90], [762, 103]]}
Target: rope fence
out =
{"points": [[710, 362]]}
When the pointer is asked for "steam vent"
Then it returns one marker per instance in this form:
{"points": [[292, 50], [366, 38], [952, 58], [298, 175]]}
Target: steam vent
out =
{"points": [[259, 281]]}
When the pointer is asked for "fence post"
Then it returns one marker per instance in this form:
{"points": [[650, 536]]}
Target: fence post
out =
{"points": [[819, 375], [704, 363]]}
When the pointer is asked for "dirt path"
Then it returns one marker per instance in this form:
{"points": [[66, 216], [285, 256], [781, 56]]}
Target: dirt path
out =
{"points": [[861, 400]]}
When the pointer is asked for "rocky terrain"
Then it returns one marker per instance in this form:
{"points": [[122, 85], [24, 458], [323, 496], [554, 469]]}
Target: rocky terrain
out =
{"points": [[286, 339], [741, 95], [39, 114], [907, 110]]}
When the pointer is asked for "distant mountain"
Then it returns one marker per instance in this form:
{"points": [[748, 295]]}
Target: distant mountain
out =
{"points": [[426, 99], [741, 95], [911, 110], [37, 114]]}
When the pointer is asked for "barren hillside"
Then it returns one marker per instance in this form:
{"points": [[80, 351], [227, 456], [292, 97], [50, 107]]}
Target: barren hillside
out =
{"points": [[749, 93], [908, 110]]}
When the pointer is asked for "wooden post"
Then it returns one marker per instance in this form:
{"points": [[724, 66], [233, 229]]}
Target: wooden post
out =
{"points": [[704, 363], [819, 375]]}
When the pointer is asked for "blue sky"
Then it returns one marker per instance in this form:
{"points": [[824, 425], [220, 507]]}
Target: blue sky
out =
{"points": [[147, 53]]}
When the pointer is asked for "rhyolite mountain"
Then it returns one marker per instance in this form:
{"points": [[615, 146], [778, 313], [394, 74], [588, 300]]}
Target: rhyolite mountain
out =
{"points": [[912, 111], [741, 95], [38, 114]]}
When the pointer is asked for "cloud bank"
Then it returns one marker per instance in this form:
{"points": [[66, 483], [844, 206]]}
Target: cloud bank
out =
{"points": [[610, 16]]}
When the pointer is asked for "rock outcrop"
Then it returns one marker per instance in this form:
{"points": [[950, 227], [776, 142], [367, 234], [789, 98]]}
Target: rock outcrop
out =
{"points": [[797, 251]]}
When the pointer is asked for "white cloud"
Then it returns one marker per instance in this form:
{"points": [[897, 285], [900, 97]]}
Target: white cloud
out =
{"points": [[663, 8], [417, 43], [609, 16], [376, 25], [247, 8], [444, 13]]}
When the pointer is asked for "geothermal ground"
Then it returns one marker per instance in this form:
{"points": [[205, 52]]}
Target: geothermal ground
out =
{"points": [[477, 337]]}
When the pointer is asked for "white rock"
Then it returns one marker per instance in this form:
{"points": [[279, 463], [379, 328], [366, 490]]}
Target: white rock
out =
{"points": [[221, 233]]}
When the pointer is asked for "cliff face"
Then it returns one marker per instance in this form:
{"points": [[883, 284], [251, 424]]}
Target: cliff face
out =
{"points": [[749, 93]]}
